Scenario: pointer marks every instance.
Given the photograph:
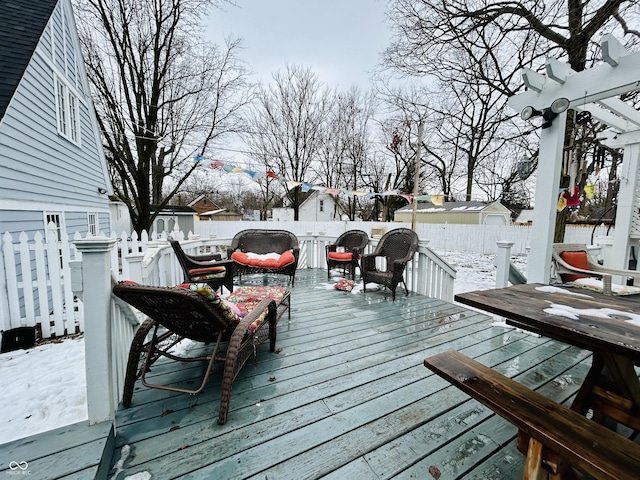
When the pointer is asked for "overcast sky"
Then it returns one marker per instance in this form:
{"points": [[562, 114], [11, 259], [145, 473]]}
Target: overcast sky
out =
{"points": [[340, 40]]}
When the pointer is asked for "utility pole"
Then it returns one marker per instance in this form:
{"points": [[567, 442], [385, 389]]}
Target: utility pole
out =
{"points": [[416, 177]]}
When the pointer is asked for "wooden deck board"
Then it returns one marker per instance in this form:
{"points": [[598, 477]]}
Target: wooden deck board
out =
{"points": [[346, 397]]}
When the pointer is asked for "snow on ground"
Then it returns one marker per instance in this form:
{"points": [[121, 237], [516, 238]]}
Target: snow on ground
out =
{"points": [[44, 387]]}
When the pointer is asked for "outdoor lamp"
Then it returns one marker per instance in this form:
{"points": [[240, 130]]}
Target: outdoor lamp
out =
{"points": [[548, 114], [528, 112]]}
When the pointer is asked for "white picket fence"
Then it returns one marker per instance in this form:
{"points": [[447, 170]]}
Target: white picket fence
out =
{"points": [[35, 280]]}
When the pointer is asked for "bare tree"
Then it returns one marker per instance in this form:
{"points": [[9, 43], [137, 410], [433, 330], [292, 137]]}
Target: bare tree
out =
{"points": [[288, 127], [496, 39], [162, 94], [342, 160]]}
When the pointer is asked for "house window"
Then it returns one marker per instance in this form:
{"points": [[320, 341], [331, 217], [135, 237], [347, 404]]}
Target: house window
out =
{"points": [[67, 112], [53, 231], [322, 205], [93, 224], [53, 234]]}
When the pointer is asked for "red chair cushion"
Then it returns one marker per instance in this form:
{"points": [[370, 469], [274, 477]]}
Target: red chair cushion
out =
{"points": [[340, 256], [284, 259], [575, 259], [207, 273]]}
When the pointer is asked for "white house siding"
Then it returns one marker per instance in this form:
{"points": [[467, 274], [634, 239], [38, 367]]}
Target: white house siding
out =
{"points": [[40, 170], [310, 210]]}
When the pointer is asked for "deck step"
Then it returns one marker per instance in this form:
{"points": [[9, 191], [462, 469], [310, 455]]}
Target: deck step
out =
{"points": [[75, 451]]}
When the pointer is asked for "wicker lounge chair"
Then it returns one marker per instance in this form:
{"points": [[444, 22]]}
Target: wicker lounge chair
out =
{"points": [[397, 247], [176, 313], [572, 261], [248, 245], [346, 251], [209, 269]]}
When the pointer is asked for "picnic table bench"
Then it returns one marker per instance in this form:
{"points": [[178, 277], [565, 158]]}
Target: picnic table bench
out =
{"points": [[553, 436]]}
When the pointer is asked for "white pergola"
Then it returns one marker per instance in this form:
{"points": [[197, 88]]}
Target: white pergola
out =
{"points": [[594, 90]]}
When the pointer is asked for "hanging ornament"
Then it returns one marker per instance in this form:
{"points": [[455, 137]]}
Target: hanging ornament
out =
{"points": [[524, 168], [583, 117]]}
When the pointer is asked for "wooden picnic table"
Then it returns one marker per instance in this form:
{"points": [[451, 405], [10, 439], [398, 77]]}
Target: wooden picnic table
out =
{"points": [[608, 326]]}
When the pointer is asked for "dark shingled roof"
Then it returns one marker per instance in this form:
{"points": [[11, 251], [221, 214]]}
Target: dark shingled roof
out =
{"points": [[21, 25]]}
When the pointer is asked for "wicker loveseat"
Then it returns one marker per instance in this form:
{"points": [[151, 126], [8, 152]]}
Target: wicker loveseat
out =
{"points": [[265, 251]]}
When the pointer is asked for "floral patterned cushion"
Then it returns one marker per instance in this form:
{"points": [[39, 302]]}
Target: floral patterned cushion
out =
{"points": [[240, 302], [246, 299], [207, 292], [345, 285]]}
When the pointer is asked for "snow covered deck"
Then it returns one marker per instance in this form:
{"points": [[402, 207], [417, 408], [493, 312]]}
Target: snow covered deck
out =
{"points": [[347, 397]]}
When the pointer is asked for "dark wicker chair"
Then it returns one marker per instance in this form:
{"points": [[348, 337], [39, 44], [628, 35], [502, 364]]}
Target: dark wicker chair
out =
{"points": [[176, 313], [352, 243], [209, 269], [262, 242], [397, 247]]}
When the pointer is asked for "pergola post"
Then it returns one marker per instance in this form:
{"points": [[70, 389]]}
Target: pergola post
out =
{"points": [[627, 209], [544, 213]]}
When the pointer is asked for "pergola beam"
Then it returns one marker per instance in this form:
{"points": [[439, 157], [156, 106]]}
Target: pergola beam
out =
{"points": [[582, 88]]}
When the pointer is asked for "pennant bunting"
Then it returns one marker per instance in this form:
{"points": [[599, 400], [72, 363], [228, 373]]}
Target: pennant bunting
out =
{"points": [[562, 202], [437, 199], [306, 186], [589, 191]]}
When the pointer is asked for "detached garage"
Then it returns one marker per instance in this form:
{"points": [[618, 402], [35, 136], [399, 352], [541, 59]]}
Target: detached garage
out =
{"points": [[465, 213]]}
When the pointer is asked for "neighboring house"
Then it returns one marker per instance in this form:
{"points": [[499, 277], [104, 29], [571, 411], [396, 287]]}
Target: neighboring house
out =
{"points": [[203, 205], [282, 214], [120, 216], [469, 213], [181, 215], [318, 207], [207, 210], [221, 215], [251, 215], [52, 166]]}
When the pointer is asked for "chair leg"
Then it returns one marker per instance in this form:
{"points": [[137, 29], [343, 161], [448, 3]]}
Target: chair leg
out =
{"points": [[138, 354], [212, 359]]}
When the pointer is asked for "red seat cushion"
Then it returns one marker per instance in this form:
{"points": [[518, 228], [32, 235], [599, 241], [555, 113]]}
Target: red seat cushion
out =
{"points": [[340, 256], [575, 259], [207, 273], [283, 260]]}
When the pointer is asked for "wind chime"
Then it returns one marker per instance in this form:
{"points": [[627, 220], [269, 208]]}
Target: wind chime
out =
{"points": [[574, 165]]}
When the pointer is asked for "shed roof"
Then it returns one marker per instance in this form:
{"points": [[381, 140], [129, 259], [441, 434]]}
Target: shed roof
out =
{"points": [[20, 30], [450, 207], [174, 209]]}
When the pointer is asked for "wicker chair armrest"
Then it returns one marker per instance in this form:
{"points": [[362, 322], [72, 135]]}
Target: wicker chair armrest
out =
{"points": [[242, 327], [596, 267], [220, 263], [399, 266], [564, 267], [369, 261], [296, 253], [211, 257], [332, 247]]}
